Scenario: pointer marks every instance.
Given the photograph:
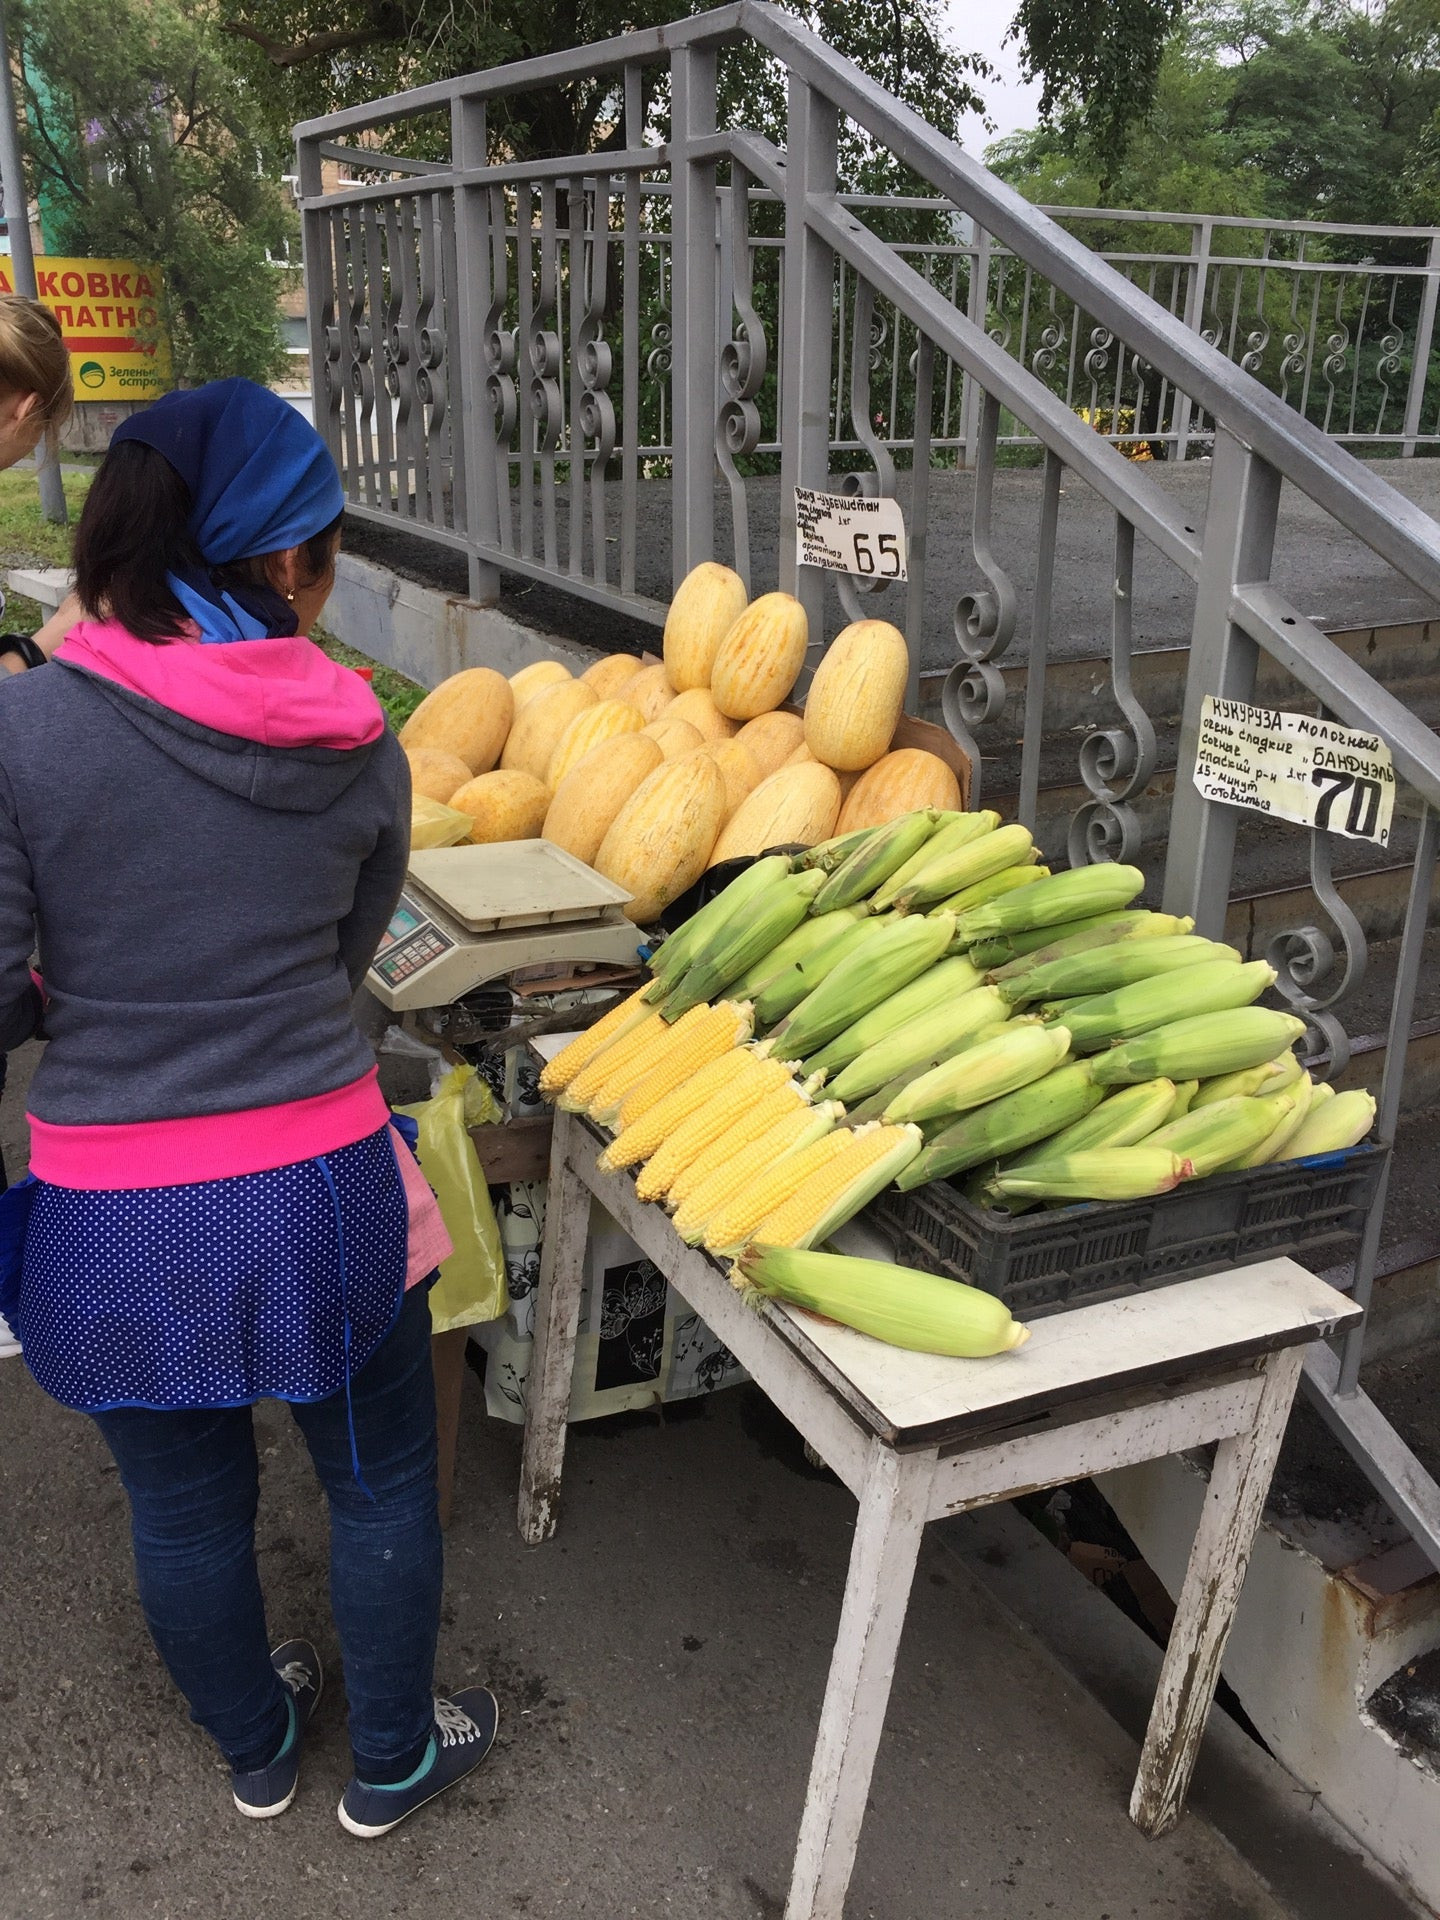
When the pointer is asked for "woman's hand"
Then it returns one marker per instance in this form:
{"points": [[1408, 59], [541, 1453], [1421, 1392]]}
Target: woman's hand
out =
{"points": [[48, 637]]}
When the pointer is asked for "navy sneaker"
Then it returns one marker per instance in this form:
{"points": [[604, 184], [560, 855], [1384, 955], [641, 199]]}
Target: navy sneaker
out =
{"points": [[465, 1728], [269, 1790]]}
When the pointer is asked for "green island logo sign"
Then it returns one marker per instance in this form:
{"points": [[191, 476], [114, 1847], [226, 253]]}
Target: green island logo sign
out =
{"points": [[92, 374]]}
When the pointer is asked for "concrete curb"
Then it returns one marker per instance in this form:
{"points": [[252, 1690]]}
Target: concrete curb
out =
{"points": [[427, 635]]}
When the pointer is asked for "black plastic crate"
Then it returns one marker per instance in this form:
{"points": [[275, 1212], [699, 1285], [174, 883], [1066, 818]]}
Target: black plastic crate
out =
{"points": [[1053, 1257]]}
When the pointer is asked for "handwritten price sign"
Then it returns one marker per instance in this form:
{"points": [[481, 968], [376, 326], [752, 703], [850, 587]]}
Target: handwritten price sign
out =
{"points": [[850, 534], [1313, 772]]}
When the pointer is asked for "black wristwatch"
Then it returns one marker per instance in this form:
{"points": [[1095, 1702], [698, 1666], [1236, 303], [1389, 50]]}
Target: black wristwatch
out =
{"points": [[22, 644]]}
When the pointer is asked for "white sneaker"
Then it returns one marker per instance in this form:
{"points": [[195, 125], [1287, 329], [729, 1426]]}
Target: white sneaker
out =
{"points": [[9, 1345]]}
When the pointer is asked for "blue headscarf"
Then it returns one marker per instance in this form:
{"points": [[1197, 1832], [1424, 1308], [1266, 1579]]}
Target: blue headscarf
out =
{"points": [[260, 479]]}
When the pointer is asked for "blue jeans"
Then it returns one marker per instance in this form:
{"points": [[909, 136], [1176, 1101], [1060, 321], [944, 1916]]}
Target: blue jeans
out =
{"points": [[194, 1483]]}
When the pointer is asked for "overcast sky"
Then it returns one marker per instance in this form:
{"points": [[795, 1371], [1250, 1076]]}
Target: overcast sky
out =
{"points": [[979, 26]]}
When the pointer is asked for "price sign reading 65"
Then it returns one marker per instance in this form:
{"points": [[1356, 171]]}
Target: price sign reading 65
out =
{"points": [[850, 534]]}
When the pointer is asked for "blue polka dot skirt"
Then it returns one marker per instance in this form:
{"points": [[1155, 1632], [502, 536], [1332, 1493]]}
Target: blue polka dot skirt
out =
{"points": [[220, 1293]]}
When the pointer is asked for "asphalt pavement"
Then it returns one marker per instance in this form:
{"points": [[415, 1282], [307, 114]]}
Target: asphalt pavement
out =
{"points": [[1333, 579], [659, 1664]]}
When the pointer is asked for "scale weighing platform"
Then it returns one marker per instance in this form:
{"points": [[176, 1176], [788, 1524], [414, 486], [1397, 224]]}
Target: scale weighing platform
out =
{"points": [[469, 914]]}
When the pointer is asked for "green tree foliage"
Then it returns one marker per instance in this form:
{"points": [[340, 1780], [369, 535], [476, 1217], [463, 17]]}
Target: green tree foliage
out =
{"points": [[144, 143], [1292, 109], [1100, 61]]}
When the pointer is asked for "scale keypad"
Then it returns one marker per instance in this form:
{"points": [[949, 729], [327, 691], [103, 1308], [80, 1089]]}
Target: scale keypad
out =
{"points": [[405, 958]]}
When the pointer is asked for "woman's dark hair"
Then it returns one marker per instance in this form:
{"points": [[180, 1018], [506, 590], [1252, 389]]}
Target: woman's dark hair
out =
{"points": [[132, 533]]}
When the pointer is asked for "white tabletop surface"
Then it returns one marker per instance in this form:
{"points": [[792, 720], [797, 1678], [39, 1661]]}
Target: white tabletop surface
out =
{"points": [[1245, 1310]]}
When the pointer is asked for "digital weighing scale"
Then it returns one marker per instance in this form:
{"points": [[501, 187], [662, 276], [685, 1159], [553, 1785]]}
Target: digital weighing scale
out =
{"points": [[470, 914]]}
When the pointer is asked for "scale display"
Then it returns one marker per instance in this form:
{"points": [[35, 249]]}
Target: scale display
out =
{"points": [[410, 943]]}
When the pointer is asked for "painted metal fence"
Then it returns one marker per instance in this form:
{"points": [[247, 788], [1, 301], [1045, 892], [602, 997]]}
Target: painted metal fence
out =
{"points": [[533, 361]]}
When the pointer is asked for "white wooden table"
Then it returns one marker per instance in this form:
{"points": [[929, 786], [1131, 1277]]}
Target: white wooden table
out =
{"points": [[915, 1437]]}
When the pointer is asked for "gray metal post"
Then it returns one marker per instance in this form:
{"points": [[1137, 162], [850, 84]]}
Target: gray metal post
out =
{"points": [[1195, 320], [809, 268], [467, 358], [694, 384], [319, 274], [22, 259], [1424, 342], [977, 305], [1239, 542]]}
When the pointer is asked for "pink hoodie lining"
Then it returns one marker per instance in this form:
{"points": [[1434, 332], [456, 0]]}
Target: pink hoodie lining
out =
{"points": [[215, 1146], [278, 693]]}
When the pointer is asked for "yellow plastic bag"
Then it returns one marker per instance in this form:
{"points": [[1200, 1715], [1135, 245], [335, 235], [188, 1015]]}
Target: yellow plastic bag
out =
{"points": [[471, 1286], [434, 825]]}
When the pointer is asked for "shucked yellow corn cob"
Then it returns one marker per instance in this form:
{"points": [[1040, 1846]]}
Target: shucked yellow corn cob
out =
{"points": [[696, 1037], [734, 1223], [835, 1192], [734, 1175], [783, 1113], [587, 1046], [766, 1094], [576, 1097], [717, 1080]]}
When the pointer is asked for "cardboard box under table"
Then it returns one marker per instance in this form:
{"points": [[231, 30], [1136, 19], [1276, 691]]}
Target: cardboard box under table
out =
{"points": [[916, 1437]]}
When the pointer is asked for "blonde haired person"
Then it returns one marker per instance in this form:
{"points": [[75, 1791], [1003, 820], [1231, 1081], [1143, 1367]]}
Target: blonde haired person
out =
{"points": [[35, 402]]}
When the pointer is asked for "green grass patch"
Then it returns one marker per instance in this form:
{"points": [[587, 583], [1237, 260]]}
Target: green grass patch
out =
{"points": [[27, 538], [397, 695]]}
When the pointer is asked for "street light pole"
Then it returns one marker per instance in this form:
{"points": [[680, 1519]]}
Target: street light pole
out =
{"points": [[22, 260]]}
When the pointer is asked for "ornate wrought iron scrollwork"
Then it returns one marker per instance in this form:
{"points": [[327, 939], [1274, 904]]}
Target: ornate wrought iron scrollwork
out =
{"points": [[594, 361], [868, 334], [662, 347], [1337, 346], [499, 344], [1256, 341], [1304, 958], [547, 404], [974, 692], [1052, 339], [1097, 358], [744, 359], [1115, 763]]}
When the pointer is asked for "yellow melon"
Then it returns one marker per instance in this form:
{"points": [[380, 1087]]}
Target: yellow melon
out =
{"points": [[435, 773], [899, 782], [661, 838], [796, 807], [535, 678], [739, 767], [594, 790], [707, 603], [588, 729], [468, 715], [650, 691], [609, 675], [857, 695], [504, 805], [699, 708], [772, 738], [760, 658], [673, 737], [541, 723]]}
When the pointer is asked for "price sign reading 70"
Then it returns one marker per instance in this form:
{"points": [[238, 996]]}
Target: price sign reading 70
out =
{"points": [[1298, 767], [1363, 814]]}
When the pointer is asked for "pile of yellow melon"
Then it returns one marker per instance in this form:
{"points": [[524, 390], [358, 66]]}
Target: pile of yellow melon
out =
{"points": [[652, 773]]}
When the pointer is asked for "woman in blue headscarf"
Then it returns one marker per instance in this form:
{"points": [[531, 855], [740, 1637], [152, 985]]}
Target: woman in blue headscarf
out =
{"points": [[218, 1209]]}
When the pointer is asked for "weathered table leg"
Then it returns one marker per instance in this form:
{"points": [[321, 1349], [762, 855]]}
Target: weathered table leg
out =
{"points": [[557, 1315], [893, 1504], [1219, 1558], [447, 1357]]}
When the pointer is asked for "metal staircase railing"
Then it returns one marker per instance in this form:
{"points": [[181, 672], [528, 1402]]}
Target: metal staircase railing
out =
{"points": [[594, 370]]}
